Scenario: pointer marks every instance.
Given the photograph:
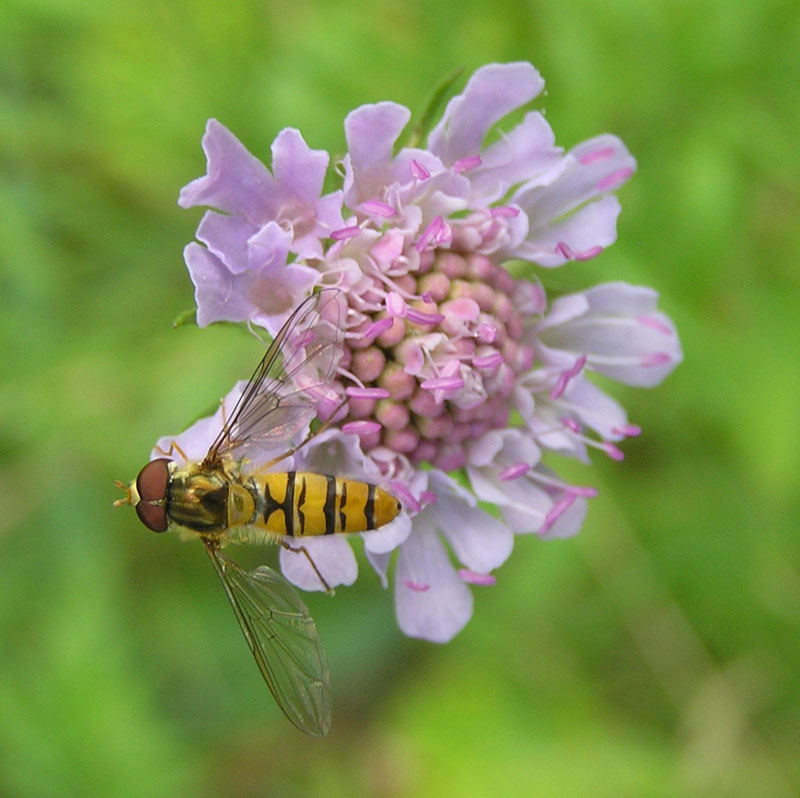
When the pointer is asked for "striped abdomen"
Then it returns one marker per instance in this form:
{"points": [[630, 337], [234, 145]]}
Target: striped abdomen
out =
{"points": [[297, 503]]}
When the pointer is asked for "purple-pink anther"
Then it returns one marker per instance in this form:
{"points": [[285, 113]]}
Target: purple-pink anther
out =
{"points": [[470, 162], [345, 232], [378, 208], [400, 490], [561, 506], [597, 155], [419, 171], [487, 361], [504, 211], [627, 430], [443, 384], [378, 327], [654, 324], [361, 427], [588, 254], [474, 578], [656, 359], [564, 378], [612, 451], [367, 393], [422, 318], [614, 179], [430, 233], [417, 586], [514, 472], [584, 491], [428, 497]]}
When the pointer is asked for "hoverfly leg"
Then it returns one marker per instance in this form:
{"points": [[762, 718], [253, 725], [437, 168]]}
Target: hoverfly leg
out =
{"points": [[311, 435], [173, 447], [303, 550], [251, 329]]}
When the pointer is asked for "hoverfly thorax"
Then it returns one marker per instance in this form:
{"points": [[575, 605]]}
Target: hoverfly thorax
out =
{"points": [[199, 500]]}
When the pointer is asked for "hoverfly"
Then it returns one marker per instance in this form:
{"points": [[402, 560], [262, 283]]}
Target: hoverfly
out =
{"points": [[220, 499]]}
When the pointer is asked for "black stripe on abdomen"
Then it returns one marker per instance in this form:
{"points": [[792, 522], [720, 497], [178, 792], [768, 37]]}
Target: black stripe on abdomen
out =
{"points": [[369, 508], [329, 508]]}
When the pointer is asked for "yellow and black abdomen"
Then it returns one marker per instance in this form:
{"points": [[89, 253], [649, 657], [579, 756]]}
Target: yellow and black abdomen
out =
{"points": [[297, 504]]}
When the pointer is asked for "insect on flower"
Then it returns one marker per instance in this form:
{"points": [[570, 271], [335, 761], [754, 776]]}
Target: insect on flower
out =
{"points": [[224, 498]]}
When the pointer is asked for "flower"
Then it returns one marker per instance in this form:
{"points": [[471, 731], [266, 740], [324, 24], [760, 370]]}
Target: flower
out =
{"points": [[459, 377]]}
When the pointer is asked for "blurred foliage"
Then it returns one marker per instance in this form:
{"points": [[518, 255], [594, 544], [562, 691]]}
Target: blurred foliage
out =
{"points": [[654, 654]]}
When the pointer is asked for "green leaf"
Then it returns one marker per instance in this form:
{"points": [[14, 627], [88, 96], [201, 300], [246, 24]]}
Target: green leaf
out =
{"points": [[185, 318], [425, 123]]}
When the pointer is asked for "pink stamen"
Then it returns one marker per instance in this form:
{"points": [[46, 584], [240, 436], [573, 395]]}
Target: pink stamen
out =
{"points": [[612, 451], [470, 162], [571, 424], [585, 491], [564, 378], [367, 393], [428, 497], [588, 254], [427, 298], [564, 250], [377, 208], [514, 472], [597, 155], [361, 427], [378, 327], [487, 361], [656, 359], [557, 511], [432, 230], [395, 304], [420, 317], [420, 588], [419, 171], [504, 210], [615, 179], [627, 430], [655, 324], [473, 578], [443, 384], [345, 232], [404, 494]]}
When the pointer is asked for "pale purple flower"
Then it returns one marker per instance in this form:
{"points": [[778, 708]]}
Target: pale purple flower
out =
{"points": [[443, 346]]}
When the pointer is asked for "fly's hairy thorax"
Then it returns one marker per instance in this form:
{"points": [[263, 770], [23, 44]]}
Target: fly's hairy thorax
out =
{"points": [[211, 503]]}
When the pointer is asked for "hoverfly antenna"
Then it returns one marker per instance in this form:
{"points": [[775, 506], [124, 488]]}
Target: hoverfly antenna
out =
{"points": [[128, 498]]}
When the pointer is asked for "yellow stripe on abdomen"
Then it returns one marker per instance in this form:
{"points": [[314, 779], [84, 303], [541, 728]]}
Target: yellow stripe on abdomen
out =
{"points": [[301, 504]]}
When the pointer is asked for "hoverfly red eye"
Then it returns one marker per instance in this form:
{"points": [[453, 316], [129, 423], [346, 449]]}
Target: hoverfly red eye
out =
{"points": [[153, 480], [151, 485], [153, 516]]}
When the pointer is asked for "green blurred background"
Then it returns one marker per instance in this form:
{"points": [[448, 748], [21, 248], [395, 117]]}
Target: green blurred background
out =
{"points": [[655, 654]]}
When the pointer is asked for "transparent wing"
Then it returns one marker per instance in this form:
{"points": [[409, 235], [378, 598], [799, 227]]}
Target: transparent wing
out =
{"points": [[282, 395], [284, 641]]}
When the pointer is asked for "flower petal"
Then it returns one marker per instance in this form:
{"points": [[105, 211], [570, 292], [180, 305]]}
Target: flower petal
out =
{"points": [[528, 150], [371, 132], [227, 237], [235, 182], [621, 333], [388, 537], [214, 291], [332, 556], [298, 169], [431, 601], [491, 93]]}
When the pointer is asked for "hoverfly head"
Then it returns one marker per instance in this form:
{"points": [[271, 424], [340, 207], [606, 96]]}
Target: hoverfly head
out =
{"points": [[149, 494]]}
